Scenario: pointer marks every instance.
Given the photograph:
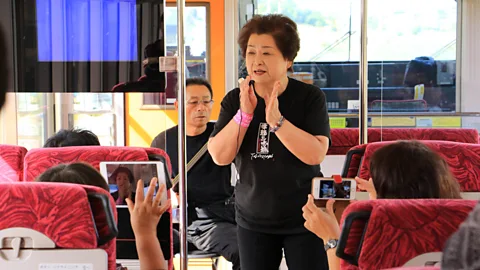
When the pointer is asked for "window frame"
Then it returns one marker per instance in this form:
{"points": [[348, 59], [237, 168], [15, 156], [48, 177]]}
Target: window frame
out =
{"points": [[171, 106]]}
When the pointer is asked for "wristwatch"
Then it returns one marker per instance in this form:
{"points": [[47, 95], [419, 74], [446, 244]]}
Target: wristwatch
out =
{"points": [[332, 243]]}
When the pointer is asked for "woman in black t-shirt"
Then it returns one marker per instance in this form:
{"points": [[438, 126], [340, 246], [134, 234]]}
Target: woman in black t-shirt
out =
{"points": [[277, 130]]}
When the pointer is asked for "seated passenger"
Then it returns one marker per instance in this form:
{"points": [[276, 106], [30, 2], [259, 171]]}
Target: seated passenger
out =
{"points": [[211, 212], [123, 178], [409, 170], [401, 170], [72, 137], [75, 173]]}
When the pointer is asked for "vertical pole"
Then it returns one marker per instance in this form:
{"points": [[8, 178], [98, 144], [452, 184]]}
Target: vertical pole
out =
{"points": [[363, 112], [182, 136]]}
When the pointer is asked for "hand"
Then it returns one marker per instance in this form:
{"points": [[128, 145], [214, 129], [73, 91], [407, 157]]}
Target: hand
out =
{"points": [[248, 99], [367, 186], [145, 213], [272, 113], [323, 224]]}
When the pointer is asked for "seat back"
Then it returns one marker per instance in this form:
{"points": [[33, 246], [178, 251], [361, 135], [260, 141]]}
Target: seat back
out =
{"points": [[353, 159], [39, 160], [463, 160], [11, 162], [343, 139], [378, 234], [159, 154], [48, 224]]}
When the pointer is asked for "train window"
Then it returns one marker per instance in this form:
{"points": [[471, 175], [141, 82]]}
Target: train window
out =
{"points": [[196, 44], [411, 53], [37, 116], [32, 119]]}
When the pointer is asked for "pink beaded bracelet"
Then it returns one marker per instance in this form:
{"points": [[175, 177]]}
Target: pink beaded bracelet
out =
{"points": [[243, 118]]}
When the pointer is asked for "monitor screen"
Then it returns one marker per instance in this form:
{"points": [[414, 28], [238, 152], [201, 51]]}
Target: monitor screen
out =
{"points": [[88, 45], [86, 30]]}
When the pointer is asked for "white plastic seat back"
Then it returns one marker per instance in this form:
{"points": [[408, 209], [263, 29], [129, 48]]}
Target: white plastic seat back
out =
{"points": [[27, 249], [427, 259]]}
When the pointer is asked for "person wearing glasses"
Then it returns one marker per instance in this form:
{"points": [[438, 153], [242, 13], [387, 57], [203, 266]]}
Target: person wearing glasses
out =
{"points": [[212, 226]]}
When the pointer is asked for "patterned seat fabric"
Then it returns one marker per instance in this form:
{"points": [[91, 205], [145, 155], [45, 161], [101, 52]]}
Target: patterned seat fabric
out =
{"points": [[11, 163], [342, 140], [39, 160], [60, 211], [462, 158], [393, 237], [345, 138]]}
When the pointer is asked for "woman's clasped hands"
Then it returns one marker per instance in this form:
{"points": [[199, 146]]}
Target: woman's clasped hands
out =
{"points": [[249, 101]]}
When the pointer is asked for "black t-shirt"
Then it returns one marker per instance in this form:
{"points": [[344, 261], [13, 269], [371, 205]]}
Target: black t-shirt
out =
{"points": [[274, 184], [207, 182]]}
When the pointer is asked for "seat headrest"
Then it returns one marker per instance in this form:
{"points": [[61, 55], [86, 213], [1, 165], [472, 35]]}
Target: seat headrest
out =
{"points": [[39, 160]]}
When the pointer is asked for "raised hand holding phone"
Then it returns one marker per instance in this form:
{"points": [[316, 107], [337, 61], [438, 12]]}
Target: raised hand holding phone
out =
{"points": [[322, 223], [248, 99], [367, 186]]}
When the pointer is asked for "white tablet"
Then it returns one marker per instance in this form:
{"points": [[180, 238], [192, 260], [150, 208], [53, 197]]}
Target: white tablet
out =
{"points": [[122, 177]]}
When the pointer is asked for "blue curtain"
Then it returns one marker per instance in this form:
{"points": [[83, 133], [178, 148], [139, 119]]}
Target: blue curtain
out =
{"points": [[87, 30]]}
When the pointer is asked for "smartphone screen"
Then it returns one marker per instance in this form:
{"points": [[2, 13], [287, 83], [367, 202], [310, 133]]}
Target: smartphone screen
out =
{"points": [[328, 189]]}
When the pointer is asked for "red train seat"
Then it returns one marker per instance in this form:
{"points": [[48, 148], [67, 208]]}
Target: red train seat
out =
{"points": [[463, 160], [47, 224], [11, 163], [378, 234]]}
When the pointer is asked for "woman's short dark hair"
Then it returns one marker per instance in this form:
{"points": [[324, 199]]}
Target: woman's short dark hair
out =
{"points": [[72, 137], [125, 170], [411, 170], [280, 27], [75, 173]]}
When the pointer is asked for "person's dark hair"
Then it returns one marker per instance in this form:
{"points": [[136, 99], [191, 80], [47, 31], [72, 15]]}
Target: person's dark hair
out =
{"points": [[280, 27], [154, 50], [3, 68], [411, 170], [199, 81], [72, 137], [125, 170], [75, 173], [421, 70]]}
